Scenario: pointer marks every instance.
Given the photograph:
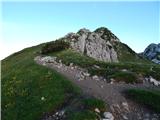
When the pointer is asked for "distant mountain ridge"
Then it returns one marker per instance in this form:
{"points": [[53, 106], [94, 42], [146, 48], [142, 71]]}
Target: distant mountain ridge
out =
{"points": [[152, 52]]}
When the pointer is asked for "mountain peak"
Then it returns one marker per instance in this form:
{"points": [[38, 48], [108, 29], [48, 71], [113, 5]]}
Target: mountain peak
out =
{"points": [[106, 34], [101, 29], [152, 52], [83, 30], [101, 44]]}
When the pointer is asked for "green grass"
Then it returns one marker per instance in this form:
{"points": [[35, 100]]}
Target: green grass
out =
{"points": [[127, 77], [70, 56], [83, 108], [24, 83], [57, 45], [83, 115], [126, 54], [92, 103], [146, 97]]}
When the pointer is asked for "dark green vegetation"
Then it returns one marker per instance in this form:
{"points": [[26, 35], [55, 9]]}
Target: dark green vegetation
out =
{"points": [[54, 46], [127, 77], [146, 97], [107, 35], [29, 90], [126, 54], [83, 115], [84, 109], [91, 104]]}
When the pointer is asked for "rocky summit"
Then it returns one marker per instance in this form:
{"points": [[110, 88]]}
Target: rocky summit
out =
{"points": [[152, 52], [101, 45], [98, 44]]}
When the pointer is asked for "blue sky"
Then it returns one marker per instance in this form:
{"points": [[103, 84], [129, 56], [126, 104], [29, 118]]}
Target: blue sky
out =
{"points": [[30, 23]]}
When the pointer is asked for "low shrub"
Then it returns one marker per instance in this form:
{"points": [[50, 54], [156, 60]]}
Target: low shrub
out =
{"points": [[54, 46], [105, 72], [127, 77]]}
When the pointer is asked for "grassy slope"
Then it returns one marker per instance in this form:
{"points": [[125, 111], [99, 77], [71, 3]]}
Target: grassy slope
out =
{"points": [[149, 98], [126, 54], [109, 70], [146, 97], [70, 56], [24, 83]]}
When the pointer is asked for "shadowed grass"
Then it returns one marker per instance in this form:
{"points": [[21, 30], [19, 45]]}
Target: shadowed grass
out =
{"points": [[92, 103], [146, 97], [83, 115], [127, 77]]}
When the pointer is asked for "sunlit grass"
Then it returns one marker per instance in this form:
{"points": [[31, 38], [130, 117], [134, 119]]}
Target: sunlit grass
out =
{"points": [[25, 83]]}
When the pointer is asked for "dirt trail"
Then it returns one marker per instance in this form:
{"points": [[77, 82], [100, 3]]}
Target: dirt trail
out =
{"points": [[112, 94]]}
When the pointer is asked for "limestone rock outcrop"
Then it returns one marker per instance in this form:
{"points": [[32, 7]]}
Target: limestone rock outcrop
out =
{"points": [[98, 44]]}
